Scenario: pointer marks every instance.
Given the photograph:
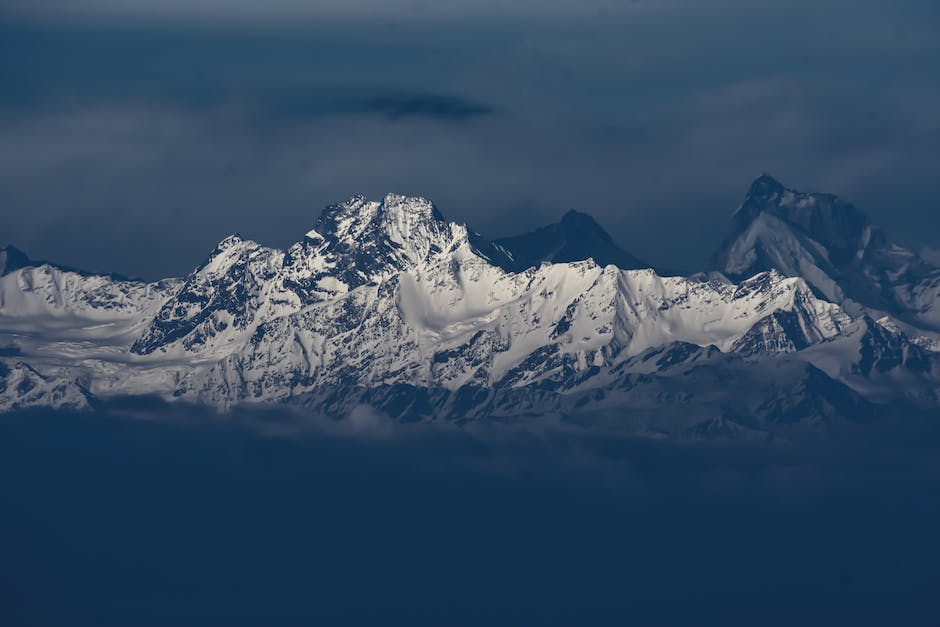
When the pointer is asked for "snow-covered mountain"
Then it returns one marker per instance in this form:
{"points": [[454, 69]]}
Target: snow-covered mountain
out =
{"points": [[386, 303], [832, 245]]}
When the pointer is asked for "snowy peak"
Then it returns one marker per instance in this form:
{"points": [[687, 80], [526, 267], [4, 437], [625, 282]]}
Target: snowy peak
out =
{"points": [[576, 237], [834, 223], [232, 241], [358, 219], [387, 235], [217, 297], [355, 243], [832, 245]]}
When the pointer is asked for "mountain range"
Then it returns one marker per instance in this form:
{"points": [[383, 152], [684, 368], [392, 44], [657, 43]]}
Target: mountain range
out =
{"points": [[809, 317]]}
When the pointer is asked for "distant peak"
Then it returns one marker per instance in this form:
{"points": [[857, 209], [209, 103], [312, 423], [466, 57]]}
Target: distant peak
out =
{"points": [[573, 213], [806, 209], [576, 237], [770, 207], [767, 194], [573, 216], [763, 188], [11, 250], [12, 258], [766, 180], [584, 223]]}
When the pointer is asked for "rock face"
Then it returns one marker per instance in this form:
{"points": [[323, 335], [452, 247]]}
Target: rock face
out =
{"points": [[833, 246], [388, 304], [22, 387]]}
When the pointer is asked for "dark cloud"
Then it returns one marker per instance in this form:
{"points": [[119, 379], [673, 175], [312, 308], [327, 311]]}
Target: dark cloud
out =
{"points": [[449, 108], [228, 10], [168, 135]]}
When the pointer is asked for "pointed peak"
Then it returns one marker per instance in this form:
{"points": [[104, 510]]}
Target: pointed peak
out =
{"points": [[826, 217], [583, 223], [766, 183], [577, 236], [232, 240], [573, 214], [12, 252], [579, 218], [12, 258], [764, 191], [228, 246], [353, 203]]}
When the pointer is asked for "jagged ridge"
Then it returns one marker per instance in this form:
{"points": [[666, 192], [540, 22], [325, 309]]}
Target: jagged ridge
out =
{"points": [[388, 303]]}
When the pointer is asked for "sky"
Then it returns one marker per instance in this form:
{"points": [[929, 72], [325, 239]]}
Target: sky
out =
{"points": [[135, 135]]}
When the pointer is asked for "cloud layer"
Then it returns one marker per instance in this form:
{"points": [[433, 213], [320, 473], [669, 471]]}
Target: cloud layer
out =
{"points": [[179, 517], [169, 135]]}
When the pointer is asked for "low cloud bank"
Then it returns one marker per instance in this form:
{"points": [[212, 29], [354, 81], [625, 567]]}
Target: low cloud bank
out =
{"points": [[158, 516]]}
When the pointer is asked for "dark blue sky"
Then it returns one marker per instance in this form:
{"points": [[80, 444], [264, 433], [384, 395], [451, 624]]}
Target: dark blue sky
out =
{"points": [[133, 138]]}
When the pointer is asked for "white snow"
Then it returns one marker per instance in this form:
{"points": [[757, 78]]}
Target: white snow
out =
{"points": [[426, 310]]}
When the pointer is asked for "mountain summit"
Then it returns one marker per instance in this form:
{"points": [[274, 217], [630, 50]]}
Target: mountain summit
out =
{"points": [[577, 236], [833, 245], [12, 258], [837, 225]]}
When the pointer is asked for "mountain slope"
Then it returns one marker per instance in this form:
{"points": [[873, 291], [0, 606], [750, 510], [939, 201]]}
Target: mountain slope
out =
{"points": [[479, 326], [32, 292]]}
